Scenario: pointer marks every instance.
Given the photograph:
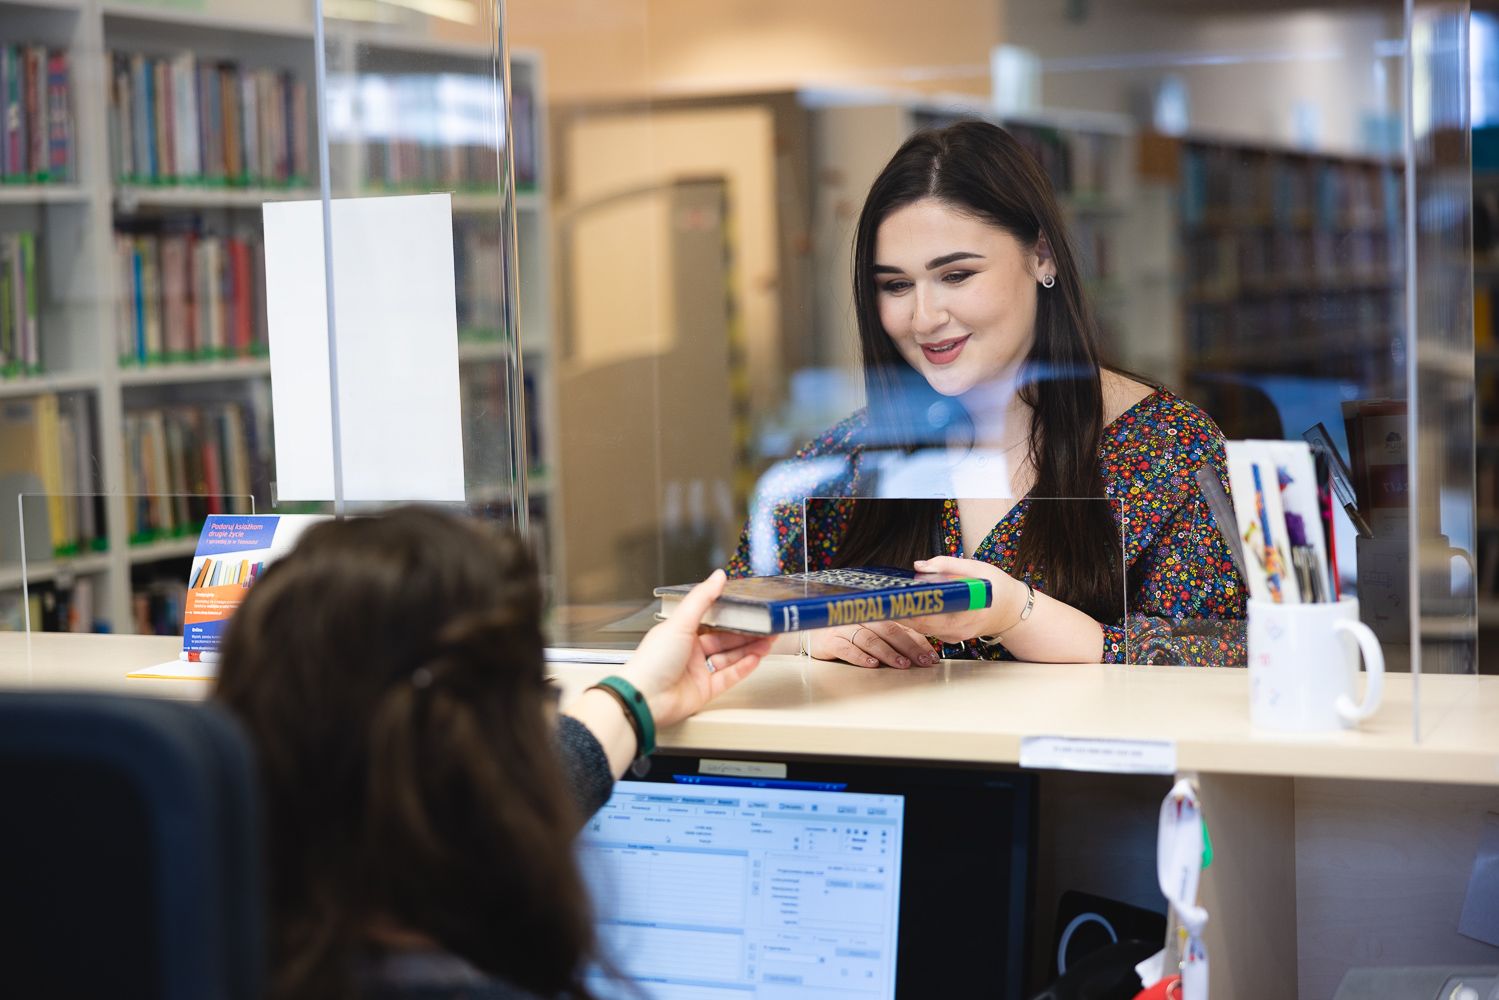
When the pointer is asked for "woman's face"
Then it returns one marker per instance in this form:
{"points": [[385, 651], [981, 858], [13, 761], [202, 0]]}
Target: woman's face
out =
{"points": [[956, 294]]}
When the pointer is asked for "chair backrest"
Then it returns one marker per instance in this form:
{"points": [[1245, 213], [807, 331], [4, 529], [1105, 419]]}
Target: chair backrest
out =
{"points": [[129, 851]]}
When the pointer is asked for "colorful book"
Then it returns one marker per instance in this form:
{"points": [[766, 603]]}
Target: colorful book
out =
{"points": [[829, 597]]}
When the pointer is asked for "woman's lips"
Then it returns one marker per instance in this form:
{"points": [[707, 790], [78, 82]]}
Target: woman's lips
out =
{"points": [[944, 352]]}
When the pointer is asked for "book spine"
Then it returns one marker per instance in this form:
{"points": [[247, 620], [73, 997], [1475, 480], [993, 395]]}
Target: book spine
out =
{"points": [[51, 472], [31, 356], [121, 103], [4, 112], [15, 165], [59, 118], [138, 296], [36, 110], [9, 247], [164, 110], [151, 293], [234, 167], [140, 119], [250, 128], [855, 609], [88, 530], [185, 121]]}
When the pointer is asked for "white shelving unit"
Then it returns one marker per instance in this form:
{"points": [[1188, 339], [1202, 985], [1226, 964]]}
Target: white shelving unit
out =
{"points": [[76, 224]]}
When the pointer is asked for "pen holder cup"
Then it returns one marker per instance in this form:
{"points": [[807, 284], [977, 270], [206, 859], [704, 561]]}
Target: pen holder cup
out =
{"points": [[1303, 666]]}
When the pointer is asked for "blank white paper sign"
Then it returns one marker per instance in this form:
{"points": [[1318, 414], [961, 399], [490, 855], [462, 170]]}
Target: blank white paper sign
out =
{"points": [[397, 318]]}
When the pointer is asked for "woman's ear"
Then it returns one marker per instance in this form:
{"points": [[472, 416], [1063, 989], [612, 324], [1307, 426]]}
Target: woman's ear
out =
{"points": [[1043, 264]]}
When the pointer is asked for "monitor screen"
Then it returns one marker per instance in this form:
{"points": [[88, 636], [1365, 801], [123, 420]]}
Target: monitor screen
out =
{"points": [[737, 879]]}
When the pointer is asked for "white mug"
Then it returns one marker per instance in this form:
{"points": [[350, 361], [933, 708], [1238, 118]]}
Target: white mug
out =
{"points": [[1303, 666]]}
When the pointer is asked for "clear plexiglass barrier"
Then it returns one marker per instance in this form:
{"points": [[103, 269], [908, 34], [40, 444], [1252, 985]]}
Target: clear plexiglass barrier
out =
{"points": [[1019, 600], [69, 581], [597, 270]]}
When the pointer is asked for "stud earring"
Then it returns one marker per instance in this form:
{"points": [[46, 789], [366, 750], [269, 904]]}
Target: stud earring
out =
{"points": [[1047, 280]]}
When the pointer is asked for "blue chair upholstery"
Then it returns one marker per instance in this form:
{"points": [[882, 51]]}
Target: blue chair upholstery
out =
{"points": [[129, 851]]}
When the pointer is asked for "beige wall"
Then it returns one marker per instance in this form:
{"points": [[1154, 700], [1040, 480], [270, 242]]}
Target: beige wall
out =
{"points": [[594, 48]]}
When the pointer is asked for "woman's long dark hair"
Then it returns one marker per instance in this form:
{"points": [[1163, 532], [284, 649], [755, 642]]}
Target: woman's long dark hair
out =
{"points": [[390, 673], [979, 169]]}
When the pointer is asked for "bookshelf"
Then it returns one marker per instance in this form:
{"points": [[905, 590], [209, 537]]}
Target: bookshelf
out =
{"points": [[1291, 263], [126, 410]]}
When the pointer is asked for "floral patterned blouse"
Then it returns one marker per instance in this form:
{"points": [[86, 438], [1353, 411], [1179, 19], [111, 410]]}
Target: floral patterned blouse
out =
{"points": [[1185, 601]]}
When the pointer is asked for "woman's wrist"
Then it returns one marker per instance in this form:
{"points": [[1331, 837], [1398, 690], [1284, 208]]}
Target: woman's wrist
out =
{"points": [[1006, 612], [637, 709], [654, 699], [610, 724]]}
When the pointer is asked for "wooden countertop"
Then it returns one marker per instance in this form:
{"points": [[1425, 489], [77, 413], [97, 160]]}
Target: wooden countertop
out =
{"points": [[958, 711]]}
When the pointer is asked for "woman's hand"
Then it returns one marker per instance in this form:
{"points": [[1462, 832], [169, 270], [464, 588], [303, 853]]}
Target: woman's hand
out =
{"points": [[889, 644], [1008, 601], [679, 669]]}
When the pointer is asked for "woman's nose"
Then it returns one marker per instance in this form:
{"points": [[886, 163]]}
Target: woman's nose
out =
{"points": [[928, 314]]}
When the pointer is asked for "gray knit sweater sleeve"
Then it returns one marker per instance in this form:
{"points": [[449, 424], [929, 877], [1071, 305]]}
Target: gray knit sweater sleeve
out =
{"points": [[587, 768]]}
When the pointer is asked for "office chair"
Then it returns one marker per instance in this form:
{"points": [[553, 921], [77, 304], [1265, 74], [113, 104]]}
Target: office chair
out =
{"points": [[129, 851]]}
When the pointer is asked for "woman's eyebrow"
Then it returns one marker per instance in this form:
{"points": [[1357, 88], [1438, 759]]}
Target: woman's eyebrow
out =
{"points": [[934, 263], [946, 259]]}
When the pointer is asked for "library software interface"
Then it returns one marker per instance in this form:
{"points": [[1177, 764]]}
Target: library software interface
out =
{"points": [[704, 892]]}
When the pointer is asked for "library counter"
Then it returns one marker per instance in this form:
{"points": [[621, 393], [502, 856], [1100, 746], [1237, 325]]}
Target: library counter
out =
{"points": [[959, 711], [1333, 852]]}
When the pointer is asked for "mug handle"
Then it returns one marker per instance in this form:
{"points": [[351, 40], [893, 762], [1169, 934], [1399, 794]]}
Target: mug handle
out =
{"points": [[1373, 665]]}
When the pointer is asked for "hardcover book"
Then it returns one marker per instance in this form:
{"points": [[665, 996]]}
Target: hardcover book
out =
{"points": [[829, 597]]}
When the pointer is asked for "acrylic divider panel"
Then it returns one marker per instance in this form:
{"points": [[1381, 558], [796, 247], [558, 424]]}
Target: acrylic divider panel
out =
{"points": [[1447, 550], [417, 119], [69, 579]]}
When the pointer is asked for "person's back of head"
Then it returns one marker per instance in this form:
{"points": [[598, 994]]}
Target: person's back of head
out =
{"points": [[390, 673]]}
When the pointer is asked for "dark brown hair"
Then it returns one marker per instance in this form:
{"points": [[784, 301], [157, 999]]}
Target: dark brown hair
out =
{"points": [[979, 169], [390, 673]]}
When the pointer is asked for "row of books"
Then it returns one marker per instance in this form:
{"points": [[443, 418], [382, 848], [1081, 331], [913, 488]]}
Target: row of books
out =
{"points": [[183, 463], [426, 131], [48, 454], [1228, 263], [188, 296], [1076, 163], [37, 130], [55, 606], [186, 120], [1248, 186], [409, 165], [478, 273], [1311, 334], [157, 605], [20, 319]]}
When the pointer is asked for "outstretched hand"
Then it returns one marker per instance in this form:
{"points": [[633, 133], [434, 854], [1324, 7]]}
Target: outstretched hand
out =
{"points": [[672, 667]]}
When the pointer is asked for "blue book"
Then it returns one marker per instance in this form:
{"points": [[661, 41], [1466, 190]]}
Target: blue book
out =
{"points": [[768, 604]]}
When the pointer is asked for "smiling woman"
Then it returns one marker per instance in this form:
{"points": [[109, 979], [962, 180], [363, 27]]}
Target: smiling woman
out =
{"points": [[979, 345]]}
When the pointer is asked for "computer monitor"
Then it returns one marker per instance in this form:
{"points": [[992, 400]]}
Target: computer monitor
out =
{"points": [[787, 881]]}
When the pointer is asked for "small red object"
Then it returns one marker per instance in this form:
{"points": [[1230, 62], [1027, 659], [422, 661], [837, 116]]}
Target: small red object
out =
{"points": [[1169, 988]]}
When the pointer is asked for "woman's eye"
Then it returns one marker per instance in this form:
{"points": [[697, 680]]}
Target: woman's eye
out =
{"points": [[957, 277], [895, 287]]}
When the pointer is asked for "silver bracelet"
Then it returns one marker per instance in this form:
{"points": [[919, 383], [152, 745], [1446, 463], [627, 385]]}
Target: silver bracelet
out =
{"points": [[1030, 604]]}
